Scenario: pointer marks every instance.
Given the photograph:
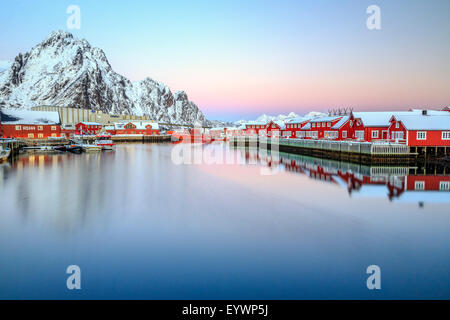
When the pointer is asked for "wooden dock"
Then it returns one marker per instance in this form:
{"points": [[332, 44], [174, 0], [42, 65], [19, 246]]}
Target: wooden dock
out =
{"points": [[352, 151], [12, 144]]}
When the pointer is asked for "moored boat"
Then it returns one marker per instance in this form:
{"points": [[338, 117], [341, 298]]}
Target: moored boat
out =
{"points": [[75, 148], [91, 147], [104, 141], [4, 153]]}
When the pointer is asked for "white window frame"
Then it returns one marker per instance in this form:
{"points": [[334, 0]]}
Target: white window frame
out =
{"points": [[444, 186], [344, 134], [445, 135], [419, 185], [375, 134], [18, 128], [421, 135]]}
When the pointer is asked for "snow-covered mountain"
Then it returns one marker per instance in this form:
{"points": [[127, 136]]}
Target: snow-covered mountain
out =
{"points": [[4, 65], [66, 71], [292, 115]]}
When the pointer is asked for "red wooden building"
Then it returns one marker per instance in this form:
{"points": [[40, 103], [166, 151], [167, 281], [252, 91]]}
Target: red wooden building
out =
{"points": [[88, 128], [136, 128], [316, 128], [29, 124], [294, 128], [274, 129], [253, 128], [347, 128], [421, 130]]}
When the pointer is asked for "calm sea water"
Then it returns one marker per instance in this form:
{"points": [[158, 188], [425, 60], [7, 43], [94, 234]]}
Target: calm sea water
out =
{"points": [[142, 227]]}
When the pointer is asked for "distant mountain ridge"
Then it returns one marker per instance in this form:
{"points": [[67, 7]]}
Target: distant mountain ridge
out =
{"points": [[65, 71], [281, 117]]}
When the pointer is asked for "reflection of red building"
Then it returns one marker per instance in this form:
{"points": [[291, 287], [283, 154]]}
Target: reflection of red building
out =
{"points": [[88, 128], [427, 183]]}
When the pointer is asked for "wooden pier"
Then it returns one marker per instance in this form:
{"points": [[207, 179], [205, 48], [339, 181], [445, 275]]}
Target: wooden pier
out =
{"points": [[351, 151], [12, 144]]}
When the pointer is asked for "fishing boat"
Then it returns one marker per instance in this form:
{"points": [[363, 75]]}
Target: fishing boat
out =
{"points": [[61, 148], [75, 148], [91, 147], [4, 153], [104, 141]]}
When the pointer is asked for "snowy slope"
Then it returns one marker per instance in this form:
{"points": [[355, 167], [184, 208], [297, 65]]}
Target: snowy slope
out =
{"points": [[65, 71], [284, 118]]}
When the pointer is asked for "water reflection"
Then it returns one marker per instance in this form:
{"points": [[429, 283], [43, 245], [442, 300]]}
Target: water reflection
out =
{"points": [[140, 226], [399, 183]]}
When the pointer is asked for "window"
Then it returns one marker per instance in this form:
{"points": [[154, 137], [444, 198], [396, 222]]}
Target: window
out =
{"points": [[359, 135], [444, 185], [18, 128], [329, 124], [30, 136], [40, 136], [344, 134], [419, 185], [53, 128], [40, 128], [397, 125], [313, 125], [421, 135], [397, 135], [446, 135], [54, 135], [375, 134]]}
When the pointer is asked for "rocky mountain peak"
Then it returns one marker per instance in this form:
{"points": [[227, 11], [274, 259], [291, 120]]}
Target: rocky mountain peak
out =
{"points": [[65, 71]]}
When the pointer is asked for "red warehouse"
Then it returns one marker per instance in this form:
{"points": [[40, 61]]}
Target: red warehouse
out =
{"points": [[273, 129], [424, 132], [347, 128], [29, 124], [88, 128], [319, 126], [294, 126], [254, 128], [137, 127]]}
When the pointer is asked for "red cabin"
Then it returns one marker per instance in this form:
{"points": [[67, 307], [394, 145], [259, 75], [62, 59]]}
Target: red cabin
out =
{"points": [[253, 128], [137, 127], [88, 128], [294, 126], [29, 124], [347, 128], [421, 130]]}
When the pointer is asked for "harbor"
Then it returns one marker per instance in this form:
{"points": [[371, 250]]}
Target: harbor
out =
{"points": [[97, 208]]}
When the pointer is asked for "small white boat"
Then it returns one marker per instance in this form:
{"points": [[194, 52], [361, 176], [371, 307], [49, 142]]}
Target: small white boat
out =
{"points": [[104, 141], [91, 147], [4, 153]]}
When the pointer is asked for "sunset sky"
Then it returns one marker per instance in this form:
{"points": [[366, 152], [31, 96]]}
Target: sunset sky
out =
{"points": [[241, 58]]}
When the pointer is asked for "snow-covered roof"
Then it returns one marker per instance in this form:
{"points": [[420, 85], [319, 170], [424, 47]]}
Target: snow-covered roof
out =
{"points": [[18, 116], [341, 122], [217, 129], [297, 120], [307, 126], [280, 123], [325, 119], [382, 118], [91, 123], [420, 122], [257, 123], [140, 125]]}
